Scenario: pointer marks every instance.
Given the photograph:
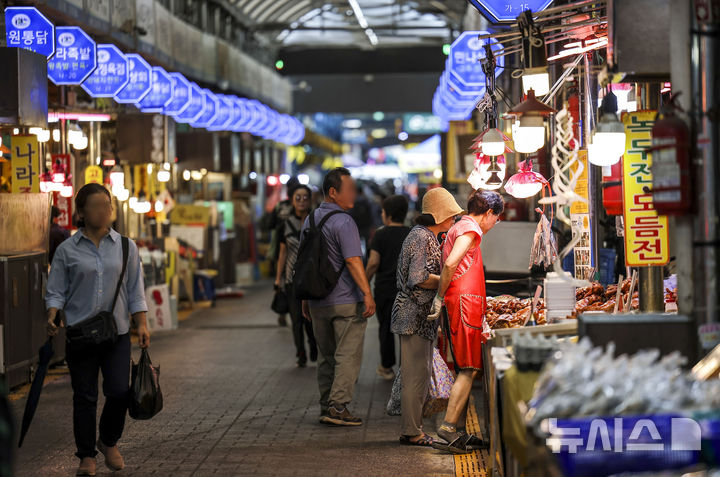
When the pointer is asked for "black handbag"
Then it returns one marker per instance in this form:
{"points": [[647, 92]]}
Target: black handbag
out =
{"points": [[100, 329], [280, 302]]}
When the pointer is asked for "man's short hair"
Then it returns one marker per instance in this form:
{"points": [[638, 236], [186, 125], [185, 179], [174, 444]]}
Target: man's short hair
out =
{"points": [[333, 179]]}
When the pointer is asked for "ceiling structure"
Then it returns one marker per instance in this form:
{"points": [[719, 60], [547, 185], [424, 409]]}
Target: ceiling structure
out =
{"points": [[364, 24]]}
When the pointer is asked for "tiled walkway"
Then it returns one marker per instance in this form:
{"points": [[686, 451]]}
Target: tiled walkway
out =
{"points": [[235, 404]]}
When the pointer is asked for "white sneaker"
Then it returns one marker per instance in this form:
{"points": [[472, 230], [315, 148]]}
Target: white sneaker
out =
{"points": [[385, 373]]}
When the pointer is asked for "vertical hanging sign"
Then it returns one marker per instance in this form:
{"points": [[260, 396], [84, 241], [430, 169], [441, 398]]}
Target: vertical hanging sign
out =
{"points": [[646, 232], [25, 164]]}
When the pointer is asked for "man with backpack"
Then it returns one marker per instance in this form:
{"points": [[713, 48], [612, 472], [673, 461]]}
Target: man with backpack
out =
{"points": [[330, 278]]}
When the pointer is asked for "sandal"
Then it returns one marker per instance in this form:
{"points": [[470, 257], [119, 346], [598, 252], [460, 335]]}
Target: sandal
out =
{"points": [[424, 441], [473, 442], [454, 446]]}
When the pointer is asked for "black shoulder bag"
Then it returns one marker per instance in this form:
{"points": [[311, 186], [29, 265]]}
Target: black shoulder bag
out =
{"points": [[101, 329]]}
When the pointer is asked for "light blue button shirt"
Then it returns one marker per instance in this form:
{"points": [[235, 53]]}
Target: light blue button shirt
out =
{"points": [[83, 278]]}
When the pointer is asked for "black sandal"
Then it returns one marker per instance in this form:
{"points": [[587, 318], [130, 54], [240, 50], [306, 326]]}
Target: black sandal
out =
{"points": [[457, 446], [473, 442], [424, 441]]}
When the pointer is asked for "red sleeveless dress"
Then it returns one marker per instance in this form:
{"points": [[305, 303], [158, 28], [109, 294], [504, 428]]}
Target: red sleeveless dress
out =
{"points": [[465, 300]]}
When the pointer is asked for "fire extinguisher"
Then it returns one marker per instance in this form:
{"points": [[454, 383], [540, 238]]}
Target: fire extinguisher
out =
{"points": [[671, 165], [612, 195]]}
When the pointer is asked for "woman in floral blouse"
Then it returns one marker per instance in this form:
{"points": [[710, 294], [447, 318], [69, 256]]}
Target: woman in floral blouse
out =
{"points": [[418, 275]]}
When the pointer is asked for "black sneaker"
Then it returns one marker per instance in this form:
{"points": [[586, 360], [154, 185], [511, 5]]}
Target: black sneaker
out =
{"points": [[340, 417]]}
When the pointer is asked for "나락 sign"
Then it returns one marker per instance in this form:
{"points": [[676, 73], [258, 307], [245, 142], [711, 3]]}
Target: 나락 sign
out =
{"points": [[646, 232], [25, 164]]}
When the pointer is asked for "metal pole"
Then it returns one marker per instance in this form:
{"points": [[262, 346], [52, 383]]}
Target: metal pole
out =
{"points": [[594, 178], [705, 61], [63, 124]]}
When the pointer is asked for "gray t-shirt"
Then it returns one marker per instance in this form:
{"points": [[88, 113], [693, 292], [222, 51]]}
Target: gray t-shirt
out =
{"points": [[343, 241]]}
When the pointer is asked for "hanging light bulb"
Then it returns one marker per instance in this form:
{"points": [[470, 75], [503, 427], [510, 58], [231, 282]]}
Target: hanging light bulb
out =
{"points": [[149, 168], [529, 126], [534, 56], [56, 135], [490, 172], [526, 183], [493, 142], [608, 139], [166, 166], [186, 175], [66, 190], [80, 143], [132, 202], [123, 195], [159, 206], [142, 207], [163, 176], [117, 176]]}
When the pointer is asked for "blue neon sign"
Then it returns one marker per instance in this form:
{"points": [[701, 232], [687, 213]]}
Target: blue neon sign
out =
{"points": [[160, 94], [212, 104], [224, 114], [111, 74], [26, 27], [196, 106], [498, 11], [75, 56], [181, 96], [464, 62], [240, 115], [139, 80]]}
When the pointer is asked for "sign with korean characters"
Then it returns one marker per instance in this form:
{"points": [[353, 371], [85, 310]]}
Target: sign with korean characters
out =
{"points": [[196, 106], [25, 154], [498, 11], [646, 232], [183, 214], [93, 174], [581, 186], [160, 94], [111, 74], [181, 98], [139, 80], [26, 27], [465, 60], [75, 56]]}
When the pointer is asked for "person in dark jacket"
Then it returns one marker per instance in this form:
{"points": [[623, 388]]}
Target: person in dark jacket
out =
{"points": [[57, 234]]}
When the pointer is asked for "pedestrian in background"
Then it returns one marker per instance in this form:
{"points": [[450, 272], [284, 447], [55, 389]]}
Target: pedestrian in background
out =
{"points": [[57, 234], [418, 276], [382, 264], [289, 239], [83, 278], [339, 319], [462, 288]]}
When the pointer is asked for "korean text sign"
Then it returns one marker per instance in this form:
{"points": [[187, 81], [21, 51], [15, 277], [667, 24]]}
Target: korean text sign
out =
{"points": [[26, 27], [646, 232], [25, 164], [75, 56]]}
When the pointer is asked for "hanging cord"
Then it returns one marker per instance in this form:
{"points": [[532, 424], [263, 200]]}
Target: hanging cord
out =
{"points": [[532, 37]]}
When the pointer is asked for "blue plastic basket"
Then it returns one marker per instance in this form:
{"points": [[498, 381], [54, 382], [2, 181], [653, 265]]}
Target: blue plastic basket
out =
{"points": [[606, 269], [604, 458]]}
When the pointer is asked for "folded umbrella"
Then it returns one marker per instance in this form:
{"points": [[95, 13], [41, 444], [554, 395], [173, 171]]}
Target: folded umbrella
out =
{"points": [[46, 352]]}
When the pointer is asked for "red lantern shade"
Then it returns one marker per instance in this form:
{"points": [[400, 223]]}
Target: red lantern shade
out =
{"points": [[526, 183]]}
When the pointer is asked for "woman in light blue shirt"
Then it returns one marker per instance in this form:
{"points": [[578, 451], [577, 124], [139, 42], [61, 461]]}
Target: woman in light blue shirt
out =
{"points": [[82, 282]]}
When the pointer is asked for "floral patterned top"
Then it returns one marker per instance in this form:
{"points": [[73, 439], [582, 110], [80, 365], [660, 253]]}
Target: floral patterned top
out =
{"points": [[420, 256]]}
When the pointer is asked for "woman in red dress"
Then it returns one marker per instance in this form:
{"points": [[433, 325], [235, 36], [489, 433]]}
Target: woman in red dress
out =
{"points": [[462, 288]]}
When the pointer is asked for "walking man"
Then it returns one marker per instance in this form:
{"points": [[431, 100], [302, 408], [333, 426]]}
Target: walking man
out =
{"points": [[339, 319]]}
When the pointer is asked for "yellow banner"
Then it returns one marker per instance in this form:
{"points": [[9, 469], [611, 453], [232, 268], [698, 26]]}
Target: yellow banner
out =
{"points": [[581, 187], [25, 153], [646, 232], [190, 215], [93, 174]]}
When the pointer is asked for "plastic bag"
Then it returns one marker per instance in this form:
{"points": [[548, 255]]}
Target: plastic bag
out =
{"points": [[544, 247], [441, 382], [146, 397]]}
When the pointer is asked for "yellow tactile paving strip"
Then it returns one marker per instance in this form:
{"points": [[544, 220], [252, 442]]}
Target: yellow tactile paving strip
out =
{"points": [[475, 463]]}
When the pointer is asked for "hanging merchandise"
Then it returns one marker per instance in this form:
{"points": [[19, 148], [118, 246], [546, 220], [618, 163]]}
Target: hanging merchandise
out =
{"points": [[608, 139], [567, 168], [544, 250], [526, 183], [529, 126], [489, 172]]}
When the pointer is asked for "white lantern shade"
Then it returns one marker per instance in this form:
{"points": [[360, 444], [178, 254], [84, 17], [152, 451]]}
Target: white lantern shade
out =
{"points": [[493, 142], [142, 207], [66, 191], [528, 139], [600, 155], [117, 178], [537, 80], [163, 176], [159, 206], [132, 202]]}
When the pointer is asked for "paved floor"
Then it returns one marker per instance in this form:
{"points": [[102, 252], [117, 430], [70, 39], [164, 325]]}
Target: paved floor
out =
{"points": [[235, 404]]}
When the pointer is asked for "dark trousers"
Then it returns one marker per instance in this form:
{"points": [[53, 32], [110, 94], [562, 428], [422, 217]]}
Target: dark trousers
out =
{"points": [[300, 326], [85, 363], [384, 304]]}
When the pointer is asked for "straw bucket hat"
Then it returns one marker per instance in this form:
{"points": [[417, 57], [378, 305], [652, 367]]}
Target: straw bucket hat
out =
{"points": [[440, 204]]}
